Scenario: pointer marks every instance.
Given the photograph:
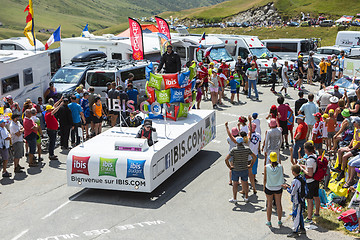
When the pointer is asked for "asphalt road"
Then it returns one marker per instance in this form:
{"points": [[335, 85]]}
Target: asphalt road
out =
{"points": [[191, 204]]}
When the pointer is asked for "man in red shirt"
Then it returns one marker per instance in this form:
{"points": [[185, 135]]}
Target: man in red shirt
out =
{"points": [[283, 110], [52, 126], [30, 134], [203, 75], [318, 133], [300, 137], [225, 68]]}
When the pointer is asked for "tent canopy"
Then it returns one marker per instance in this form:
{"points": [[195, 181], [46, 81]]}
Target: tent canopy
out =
{"points": [[344, 19]]}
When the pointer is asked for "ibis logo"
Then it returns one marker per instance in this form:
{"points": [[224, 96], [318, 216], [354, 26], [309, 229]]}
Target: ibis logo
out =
{"points": [[171, 81], [80, 165]]}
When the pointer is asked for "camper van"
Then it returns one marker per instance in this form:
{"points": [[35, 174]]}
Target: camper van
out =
{"points": [[348, 38], [289, 48], [20, 43], [116, 48], [24, 74]]}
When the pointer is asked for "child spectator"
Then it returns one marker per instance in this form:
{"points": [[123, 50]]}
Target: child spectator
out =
{"points": [[222, 82], [199, 92], [317, 131], [242, 125], [297, 191], [290, 123], [273, 113], [214, 87], [325, 118], [254, 144], [234, 89]]}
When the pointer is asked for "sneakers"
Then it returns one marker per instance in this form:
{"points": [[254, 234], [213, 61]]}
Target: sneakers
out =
{"points": [[280, 223], [231, 200], [17, 169], [307, 220], [6, 174], [337, 169], [302, 231], [21, 167], [54, 157], [340, 176], [287, 95], [246, 200], [293, 235], [268, 224]]}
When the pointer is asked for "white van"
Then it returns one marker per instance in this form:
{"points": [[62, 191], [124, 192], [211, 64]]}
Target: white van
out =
{"points": [[348, 38], [289, 48], [20, 43], [24, 74]]}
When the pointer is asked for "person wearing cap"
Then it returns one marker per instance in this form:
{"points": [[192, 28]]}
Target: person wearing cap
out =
{"points": [[309, 110], [52, 126], [299, 102], [356, 110], [274, 73], [323, 69], [5, 138], [345, 153], [317, 133], [203, 75], [313, 185], [214, 87], [50, 92], [171, 60], [37, 120], [234, 89], [133, 94], [256, 121], [80, 90], [311, 67], [300, 137], [254, 144], [336, 92], [30, 135], [324, 101], [334, 104], [325, 120], [146, 131], [77, 115], [273, 141], [112, 95], [234, 133], [300, 72], [17, 140], [64, 117], [252, 75], [273, 181], [225, 68], [239, 165], [343, 134], [242, 126]]}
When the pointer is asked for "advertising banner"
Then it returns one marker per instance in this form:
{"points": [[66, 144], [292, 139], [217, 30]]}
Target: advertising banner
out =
{"points": [[163, 27], [136, 39]]}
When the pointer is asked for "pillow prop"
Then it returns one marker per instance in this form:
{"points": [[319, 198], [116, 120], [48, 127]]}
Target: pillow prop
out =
{"points": [[150, 92], [177, 95], [155, 81], [183, 110], [163, 96], [149, 69], [171, 81], [187, 91], [153, 116], [192, 69], [193, 83], [184, 79], [172, 111]]}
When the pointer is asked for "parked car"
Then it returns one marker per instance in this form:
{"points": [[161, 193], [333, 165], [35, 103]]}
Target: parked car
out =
{"points": [[305, 24], [326, 23], [293, 24], [330, 50]]}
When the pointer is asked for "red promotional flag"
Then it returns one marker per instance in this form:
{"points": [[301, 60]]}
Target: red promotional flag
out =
{"points": [[136, 39], [163, 26]]}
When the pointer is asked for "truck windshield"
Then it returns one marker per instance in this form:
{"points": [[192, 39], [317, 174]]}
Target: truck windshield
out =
{"points": [[220, 54], [261, 52], [68, 75]]}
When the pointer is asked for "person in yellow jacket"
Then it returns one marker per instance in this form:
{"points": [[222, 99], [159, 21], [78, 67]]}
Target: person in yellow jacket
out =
{"points": [[323, 68]]}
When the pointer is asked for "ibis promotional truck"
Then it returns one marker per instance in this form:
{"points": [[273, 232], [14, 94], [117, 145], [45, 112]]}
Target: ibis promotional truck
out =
{"points": [[117, 160]]}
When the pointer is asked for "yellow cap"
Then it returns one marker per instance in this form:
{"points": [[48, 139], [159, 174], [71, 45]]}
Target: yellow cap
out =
{"points": [[331, 111], [311, 141], [325, 115], [49, 107], [211, 64], [273, 157]]}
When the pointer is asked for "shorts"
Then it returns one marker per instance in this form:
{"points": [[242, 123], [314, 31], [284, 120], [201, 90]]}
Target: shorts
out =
{"points": [[220, 89], [32, 143], [299, 144], [4, 153], [214, 89], [238, 90], [310, 128], [269, 192], [331, 134], [355, 162], [313, 189], [310, 72], [18, 149], [255, 166], [290, 127], [284, 127], [233, 91], [285, 83], [87, 121], [235, 175], [355, 152], [97, 120], [206, 84], [300, 75], [318, 146]]}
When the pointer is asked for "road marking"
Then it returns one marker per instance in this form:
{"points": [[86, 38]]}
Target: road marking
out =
{"points": [[216, 141], [20, 235], [64, 204]]}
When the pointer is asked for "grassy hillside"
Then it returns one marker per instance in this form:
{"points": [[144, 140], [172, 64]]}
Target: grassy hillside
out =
{"points": [[287, 8], [73, 15]]}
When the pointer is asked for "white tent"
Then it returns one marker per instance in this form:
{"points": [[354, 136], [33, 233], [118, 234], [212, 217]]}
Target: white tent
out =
{"points": [[344, 19]]}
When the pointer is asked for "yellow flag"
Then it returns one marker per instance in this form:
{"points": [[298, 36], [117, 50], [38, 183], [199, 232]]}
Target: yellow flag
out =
{"points": [[29, 30]]}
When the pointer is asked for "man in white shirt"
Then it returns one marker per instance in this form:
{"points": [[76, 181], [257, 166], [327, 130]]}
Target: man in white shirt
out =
{"points": [[16, 131], [285, 78], [4, 147]]}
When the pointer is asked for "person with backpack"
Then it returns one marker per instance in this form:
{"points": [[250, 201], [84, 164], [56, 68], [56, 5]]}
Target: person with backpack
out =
{"points": [[146, 131], [309, 170], [318, 132], [298, 192]]}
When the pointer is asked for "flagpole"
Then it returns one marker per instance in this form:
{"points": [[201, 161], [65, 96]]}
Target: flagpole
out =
{"points": [[33, 32]]}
